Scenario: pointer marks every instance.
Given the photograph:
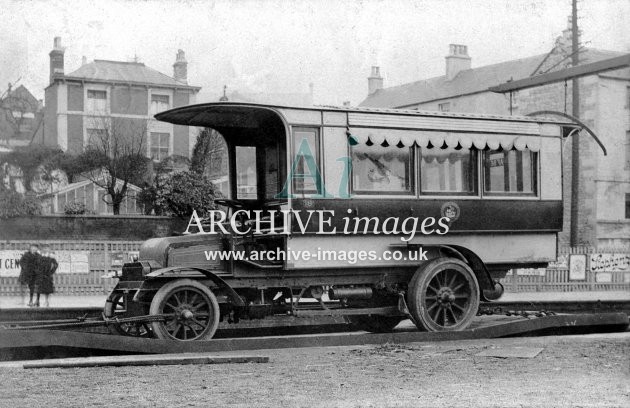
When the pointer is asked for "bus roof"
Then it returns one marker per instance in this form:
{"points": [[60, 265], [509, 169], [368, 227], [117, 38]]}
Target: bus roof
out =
{"points": [[192, 115], [395, 126]]}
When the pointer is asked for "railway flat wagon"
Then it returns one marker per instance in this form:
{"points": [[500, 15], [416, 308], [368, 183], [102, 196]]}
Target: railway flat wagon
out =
{"points": [[374, 214]]}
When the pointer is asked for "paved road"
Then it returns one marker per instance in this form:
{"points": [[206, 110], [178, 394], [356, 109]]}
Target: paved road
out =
{"points": [[590, 370]]}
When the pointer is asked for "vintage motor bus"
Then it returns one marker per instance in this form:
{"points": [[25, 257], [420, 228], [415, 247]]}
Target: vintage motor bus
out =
{"points": [[412, 214]]}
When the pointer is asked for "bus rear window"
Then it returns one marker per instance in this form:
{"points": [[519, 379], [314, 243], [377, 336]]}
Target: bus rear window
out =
{"points": [[509, 172]]}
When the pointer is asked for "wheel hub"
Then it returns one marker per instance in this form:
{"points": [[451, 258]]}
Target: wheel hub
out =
{"points": [[187, 314], [446, 296], [184, 312]]}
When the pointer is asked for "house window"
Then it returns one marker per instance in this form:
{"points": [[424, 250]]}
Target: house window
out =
{"points": [[444, 107], [159, 103], [159, 143], [446, 171], [307, 160], [25, 127], [509, 172], [382, 170], [96, 101], [627, 206]]}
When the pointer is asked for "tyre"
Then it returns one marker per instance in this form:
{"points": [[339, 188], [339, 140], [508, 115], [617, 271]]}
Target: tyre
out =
{"points": [[190, 308], [443, 295], [376, 323]]}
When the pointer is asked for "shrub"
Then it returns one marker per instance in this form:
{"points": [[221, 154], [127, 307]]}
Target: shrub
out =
{"points": [[14, 204], [74, 208], [184, 192]]}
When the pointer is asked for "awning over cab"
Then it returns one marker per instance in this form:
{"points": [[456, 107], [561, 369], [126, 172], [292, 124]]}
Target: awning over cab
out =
{"points": [[480, 141], [220, 115]]}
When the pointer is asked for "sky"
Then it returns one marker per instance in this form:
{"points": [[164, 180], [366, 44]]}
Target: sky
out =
{"points": [[282, 46]]}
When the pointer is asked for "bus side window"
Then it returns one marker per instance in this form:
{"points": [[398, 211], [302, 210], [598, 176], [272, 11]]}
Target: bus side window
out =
{"points": [[382, 170], [308, 153], [510, 172], [448, 171]]}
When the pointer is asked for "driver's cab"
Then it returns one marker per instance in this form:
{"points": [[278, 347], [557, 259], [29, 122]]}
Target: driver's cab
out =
{"points": [[256, 148]]}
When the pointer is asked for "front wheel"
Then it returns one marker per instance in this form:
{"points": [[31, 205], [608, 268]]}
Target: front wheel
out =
{"points": [[443, 295], [190, 309], [115, 308]]}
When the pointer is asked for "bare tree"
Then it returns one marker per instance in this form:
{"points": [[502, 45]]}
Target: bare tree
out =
{"points": [[116, 147]]}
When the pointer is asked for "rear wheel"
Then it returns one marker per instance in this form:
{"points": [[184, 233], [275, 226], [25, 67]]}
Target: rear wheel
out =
{"points": [[190, 308], [443, 295], [376, 323]]}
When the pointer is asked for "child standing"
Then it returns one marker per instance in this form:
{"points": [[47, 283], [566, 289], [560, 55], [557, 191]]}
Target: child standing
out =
{"points": [[29, 266], [48, 266]]}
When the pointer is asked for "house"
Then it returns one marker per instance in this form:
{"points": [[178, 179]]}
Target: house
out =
{"points": [[86, 102], [604, 181], [21, 116]]}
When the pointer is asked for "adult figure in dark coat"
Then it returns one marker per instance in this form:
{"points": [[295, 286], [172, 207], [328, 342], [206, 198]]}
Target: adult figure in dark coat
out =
{"points": [[29, 265], [47, 267]]}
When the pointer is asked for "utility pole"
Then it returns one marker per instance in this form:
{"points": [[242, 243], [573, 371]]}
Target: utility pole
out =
{"points": [[575, 143]]}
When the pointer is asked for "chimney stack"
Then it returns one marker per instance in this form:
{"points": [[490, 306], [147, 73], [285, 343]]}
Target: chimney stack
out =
{"points": [[375, 80], [457, 60], [180, 68], [56, 59]]}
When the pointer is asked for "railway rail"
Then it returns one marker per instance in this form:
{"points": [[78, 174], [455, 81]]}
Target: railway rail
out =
{"points": [[50, 333], [89, 317]]}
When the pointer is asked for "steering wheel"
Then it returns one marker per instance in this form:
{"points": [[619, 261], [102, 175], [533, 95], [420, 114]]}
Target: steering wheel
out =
{"points": [[235, 204]]}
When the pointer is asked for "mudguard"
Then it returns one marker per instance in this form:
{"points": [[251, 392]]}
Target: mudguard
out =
{"points": [[479, 268], [175, 272]]}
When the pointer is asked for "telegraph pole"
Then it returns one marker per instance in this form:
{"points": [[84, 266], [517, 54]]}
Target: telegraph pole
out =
{"points": [[575, 143]]}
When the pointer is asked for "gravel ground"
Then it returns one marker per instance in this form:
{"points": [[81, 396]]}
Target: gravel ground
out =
{"points": [[591, 370]]}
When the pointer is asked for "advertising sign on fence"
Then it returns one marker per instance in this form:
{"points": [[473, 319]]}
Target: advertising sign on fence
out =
{"points": [[561, 263], [610, 262], [10, 263], [69, 262], [577, 267]]}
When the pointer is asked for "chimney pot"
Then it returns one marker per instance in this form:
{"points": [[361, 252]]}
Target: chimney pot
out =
{"points": [[180, 67], [375, 81], [56, 59], [457, 60]]}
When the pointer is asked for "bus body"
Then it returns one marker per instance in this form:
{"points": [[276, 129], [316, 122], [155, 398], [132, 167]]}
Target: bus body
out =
{"points": [[374, 214]]}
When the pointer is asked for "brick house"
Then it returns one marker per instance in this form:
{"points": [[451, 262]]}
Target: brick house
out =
{"points": [[604, 188], [78, 103]]}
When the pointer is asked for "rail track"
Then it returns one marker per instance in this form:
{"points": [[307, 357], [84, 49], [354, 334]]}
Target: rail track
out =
{"points": [[73, 332]]}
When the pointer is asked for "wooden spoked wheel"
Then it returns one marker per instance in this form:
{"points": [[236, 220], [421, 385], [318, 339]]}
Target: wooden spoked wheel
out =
{"points": [[190, 308], [376, 323], [115, 307], [443, 295]]}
